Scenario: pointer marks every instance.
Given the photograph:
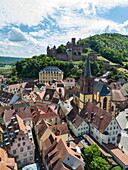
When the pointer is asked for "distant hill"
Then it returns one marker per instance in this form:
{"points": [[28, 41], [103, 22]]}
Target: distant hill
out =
{"points": [[112, 46], [9, 60]]}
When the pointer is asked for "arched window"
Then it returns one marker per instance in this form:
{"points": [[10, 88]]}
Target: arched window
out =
{"points": [[112, 108], [59, 90], [105, 103]]}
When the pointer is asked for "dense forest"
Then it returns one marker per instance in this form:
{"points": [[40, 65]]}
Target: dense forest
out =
{"points": [[30, 67], [112, 46]]}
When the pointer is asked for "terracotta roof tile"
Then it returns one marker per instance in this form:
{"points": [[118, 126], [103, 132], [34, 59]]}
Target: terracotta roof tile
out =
{"points": [[6, 161], [61, 146], [121, 156], [21, 124], [47, 113], [59, 129], [117, 96], [23, 112], [41, 128], [97, 116]]}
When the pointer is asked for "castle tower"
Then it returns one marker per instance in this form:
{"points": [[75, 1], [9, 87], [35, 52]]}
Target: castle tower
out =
{"points": [[48, 51], [69, 54], [86, 85], [73, 41]]}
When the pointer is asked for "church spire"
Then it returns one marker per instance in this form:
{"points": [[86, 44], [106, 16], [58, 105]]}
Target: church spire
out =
{"points": [[87, 70]]}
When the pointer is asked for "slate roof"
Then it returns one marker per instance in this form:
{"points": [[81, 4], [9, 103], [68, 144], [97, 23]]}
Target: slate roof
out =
{"points": [[87, 69], [51, 69], [49, 92], [96, 116], [5, 97], [101, 88]]}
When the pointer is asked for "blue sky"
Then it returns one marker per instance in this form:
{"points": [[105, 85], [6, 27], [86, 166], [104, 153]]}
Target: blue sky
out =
{"points": [[27, 27]]}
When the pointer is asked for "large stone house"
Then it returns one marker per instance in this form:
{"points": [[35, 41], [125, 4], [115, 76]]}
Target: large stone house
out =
{"points": [[103, 126], [18, 141], [50, 73], [77, 125], [57, 154]]}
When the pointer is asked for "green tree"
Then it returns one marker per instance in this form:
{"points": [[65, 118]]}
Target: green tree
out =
{"points": [[61, 49], [117, 168], [92, 152], [99, 163]]}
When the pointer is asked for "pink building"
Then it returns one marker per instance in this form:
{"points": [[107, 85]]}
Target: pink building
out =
{"points": [[18, 141]]}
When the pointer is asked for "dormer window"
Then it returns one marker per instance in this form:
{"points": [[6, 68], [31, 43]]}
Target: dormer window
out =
{"points": [[47, 97]]}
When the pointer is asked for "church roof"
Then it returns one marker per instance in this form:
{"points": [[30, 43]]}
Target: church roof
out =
{"points": [[87, 70], [101, 88]]}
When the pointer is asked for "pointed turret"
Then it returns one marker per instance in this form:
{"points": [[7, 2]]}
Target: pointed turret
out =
{"points": [[87, 70]]}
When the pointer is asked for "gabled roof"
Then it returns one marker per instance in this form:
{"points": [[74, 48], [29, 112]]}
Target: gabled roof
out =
{"points": [[49, 92], [5, 97], [50, 113], [21, 124], [96, 116], [45, 113], [6, 162], [101, 88], [75, 119], [118, 153], [57, 150], [41, 128], [125, 94], [59, 129], [117, 96], [23, 112]]}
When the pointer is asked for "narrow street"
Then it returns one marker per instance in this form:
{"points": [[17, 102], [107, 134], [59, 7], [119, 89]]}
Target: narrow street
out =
{"points": [[38, 158]]}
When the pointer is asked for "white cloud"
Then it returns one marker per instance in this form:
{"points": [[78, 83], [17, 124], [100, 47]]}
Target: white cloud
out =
{"points": [[16, 35], [72, 19], [92, 7], [31, 12]]}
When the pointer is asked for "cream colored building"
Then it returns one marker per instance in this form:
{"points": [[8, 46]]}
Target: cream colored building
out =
{"points": [[50, 73], [18, 141]]}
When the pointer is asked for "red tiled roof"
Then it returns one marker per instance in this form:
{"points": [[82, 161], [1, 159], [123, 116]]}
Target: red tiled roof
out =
{"points": [[59, 129], [21, 124], [47, 112], [23, 113], [6, 161], [44, 113], [61, 147], [121, 156], [96, 116], [117, 96]]}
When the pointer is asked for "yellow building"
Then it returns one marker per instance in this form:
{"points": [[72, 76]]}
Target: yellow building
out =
{"points": [[50, 73], [93, 91]]}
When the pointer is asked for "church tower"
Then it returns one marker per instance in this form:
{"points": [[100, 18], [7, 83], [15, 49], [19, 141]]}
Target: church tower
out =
{"points": [[86, 86]]}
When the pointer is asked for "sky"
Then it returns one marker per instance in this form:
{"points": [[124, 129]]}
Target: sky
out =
{"points": [[27, 27]]}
